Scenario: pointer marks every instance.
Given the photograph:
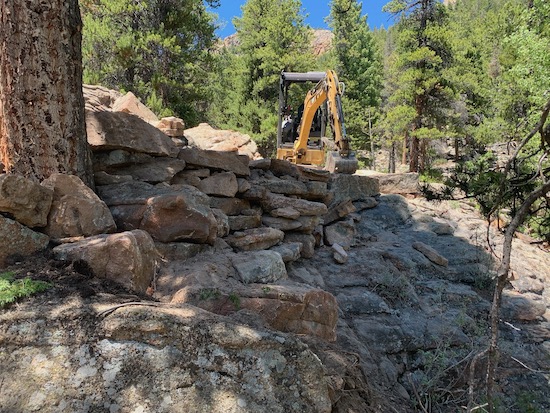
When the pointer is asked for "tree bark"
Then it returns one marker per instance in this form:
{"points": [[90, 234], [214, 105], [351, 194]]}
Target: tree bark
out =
{"points": [[42, 123]]}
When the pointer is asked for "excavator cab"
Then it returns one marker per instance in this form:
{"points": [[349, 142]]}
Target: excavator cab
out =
{"points": [[301, 135]]}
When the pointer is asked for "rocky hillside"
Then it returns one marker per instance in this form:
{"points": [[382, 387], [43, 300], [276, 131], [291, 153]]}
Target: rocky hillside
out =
{"points": [[201, 280]]}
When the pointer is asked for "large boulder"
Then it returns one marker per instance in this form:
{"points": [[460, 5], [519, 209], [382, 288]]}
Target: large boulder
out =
{"points": [[406, 183], [27, 201], [18, 241], [260, 267], [304, 207], [129, 103], [292, 308], [206, 137], [147, 358], [255, 239], [284, 186], [168, 213], [180, 216], [220, 184], [99, 98], [153, 171], [76, 210], [354, 187], [224, 161], [128, 258], [119, 130]]}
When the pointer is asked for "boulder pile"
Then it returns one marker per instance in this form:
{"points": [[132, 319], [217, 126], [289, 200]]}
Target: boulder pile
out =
{"points": [[211, 228]]}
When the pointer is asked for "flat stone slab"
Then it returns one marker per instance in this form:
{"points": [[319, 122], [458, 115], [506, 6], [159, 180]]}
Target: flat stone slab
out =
{"points": [[430, 254], [225, 161], [255, 239]]}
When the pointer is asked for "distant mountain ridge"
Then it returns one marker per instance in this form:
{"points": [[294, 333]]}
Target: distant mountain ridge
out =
{"points": [[321, 41]]}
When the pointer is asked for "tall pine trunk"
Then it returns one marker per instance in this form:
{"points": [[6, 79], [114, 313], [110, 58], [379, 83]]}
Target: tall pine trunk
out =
{"points": [[42, 124]]}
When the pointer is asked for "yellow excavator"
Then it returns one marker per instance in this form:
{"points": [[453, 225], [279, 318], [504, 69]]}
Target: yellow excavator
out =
{"points": [[301, 136]]}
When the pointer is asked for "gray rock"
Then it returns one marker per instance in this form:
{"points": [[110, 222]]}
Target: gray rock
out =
{"points": [[284, 186], [128, 258], [307, 241], [259, 267], [118, 130], [112, 159], [527, 307], [524, 284], [367, 203], [179, 251], [18, 241], [309, 223], [255, 239], [340, 255], [104, 178], [284, 224], [288, 212], [223, 222], [338, 211], [225, 161], [431, 254], [76, 210], [220, 184], [255, 193], [361, 301], [155, 171], [26, 201], [85, 362], [316, 190], [230, 206], [354, 187], [398, 183], [304, 207], [342, 233], [290, 251], [312, 174], [243, 184], [282, 168], [182, 215], [168, 213], [242, 222], [264, 163]]}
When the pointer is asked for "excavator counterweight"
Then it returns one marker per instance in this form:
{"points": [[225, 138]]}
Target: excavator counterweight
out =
{"points": [[301, 139]]}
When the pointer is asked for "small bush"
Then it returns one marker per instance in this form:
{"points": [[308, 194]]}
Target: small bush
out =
{"points": [[11, 289]]}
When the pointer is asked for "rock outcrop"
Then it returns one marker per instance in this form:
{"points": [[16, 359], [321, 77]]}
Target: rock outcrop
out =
{"points": [[143, 358]]}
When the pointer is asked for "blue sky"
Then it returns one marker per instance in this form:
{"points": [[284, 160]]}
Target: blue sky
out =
{"points": [[317, 12]]}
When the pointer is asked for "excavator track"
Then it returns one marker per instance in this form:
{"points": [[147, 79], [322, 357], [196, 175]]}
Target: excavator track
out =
{"points": [[338, 164]]}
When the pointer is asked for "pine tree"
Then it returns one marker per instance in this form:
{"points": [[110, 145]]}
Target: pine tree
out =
{"points": [[423, 55], [158, 49], [359, 66], [272, 37]]}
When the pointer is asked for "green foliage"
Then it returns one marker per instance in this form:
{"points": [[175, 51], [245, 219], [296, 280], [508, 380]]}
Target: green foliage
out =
{"points": [[11, 289], [273, 37], [235, 300], [158, 49], [358, 65], [431, 175], [209, 294], [418, 87]]}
